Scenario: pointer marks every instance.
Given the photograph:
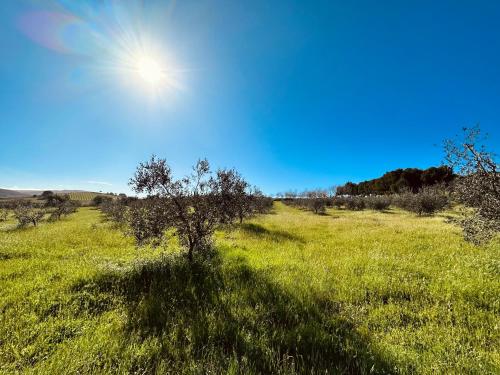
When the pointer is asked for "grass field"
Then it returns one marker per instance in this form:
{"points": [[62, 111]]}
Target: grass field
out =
{"points": [[347, 292]]}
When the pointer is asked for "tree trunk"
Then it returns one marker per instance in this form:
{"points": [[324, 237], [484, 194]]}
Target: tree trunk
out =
{"points": [[190, 251]]}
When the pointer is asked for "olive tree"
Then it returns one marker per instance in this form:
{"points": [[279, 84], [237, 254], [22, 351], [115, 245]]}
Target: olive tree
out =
{"points": [[478, 185], [232, 194], [63, 208], [378, 202], [192, 206], [115, 210], [148, 219], [100, 199], [4, 214], [427, 201], [59, 206], [28, 213]]}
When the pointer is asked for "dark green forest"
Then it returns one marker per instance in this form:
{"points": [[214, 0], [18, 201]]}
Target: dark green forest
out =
{"points": [[412, 179]]}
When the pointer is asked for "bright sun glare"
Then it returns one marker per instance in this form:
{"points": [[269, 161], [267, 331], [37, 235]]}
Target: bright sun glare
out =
{"points": [[151, 71]]}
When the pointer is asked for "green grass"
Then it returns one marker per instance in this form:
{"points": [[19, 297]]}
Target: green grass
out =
{"points": [[347, 292]]}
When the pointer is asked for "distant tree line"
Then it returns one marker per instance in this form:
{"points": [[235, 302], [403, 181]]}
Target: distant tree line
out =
{"points": [[400, 180], [426, 201]]}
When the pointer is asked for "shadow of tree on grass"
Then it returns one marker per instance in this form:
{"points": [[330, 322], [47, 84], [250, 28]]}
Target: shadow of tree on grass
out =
{"points": [[220, 313], [257, 230]]}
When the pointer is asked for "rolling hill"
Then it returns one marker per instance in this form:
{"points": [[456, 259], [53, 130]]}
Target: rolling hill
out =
{"points": [[74, 194]]}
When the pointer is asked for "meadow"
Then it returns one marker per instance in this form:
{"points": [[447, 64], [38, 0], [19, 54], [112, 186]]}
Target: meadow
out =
{"points": [[287, 292]]}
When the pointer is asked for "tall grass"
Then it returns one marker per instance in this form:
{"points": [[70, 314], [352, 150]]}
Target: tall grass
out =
{"points": [[289, 292]]}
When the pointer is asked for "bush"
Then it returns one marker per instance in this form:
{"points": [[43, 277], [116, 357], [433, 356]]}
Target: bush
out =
{"points": [[354, 203], [378, 202]]}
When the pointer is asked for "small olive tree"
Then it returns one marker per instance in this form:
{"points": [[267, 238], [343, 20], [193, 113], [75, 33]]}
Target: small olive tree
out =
{"points": [[115, 210], [100, 199], [28, 213], [378, 202], [148, 219], [354, 203], [59, 206], [64, 208], [427, 201], [193, 206], [232, 195], [4, 215], [478, 185]]}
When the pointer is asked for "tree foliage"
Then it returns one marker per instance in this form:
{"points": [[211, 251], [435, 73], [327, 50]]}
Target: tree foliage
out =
{"points": [[427, 201], [100, 199], [478, 185], [192, 206], [4, 214], [378, 202], [28, 213]]}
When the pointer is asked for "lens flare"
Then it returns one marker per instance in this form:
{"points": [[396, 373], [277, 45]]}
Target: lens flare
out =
{"points": [[112, 40]]}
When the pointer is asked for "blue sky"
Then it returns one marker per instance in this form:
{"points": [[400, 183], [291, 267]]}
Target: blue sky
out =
{"points": [[293, 94]]}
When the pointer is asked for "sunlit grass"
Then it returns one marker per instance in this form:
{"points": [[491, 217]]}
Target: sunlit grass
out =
{"points": [[291, 292]]}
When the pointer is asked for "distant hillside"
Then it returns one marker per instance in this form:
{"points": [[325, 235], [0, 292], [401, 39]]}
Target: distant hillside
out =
{"points": [[78, 195], [4, 193]]}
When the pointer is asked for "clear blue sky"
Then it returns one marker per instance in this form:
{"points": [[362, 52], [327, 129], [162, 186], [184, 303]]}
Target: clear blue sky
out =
{"points": [[294, 94]]}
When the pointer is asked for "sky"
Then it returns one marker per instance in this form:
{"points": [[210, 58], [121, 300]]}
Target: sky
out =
{"points": [[293, 94]]}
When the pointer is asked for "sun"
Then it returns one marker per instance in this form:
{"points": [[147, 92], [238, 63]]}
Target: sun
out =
{"points": [[150, 71]]}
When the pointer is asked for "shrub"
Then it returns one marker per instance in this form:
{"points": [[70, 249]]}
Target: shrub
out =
{"points": [[378, 202]]}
